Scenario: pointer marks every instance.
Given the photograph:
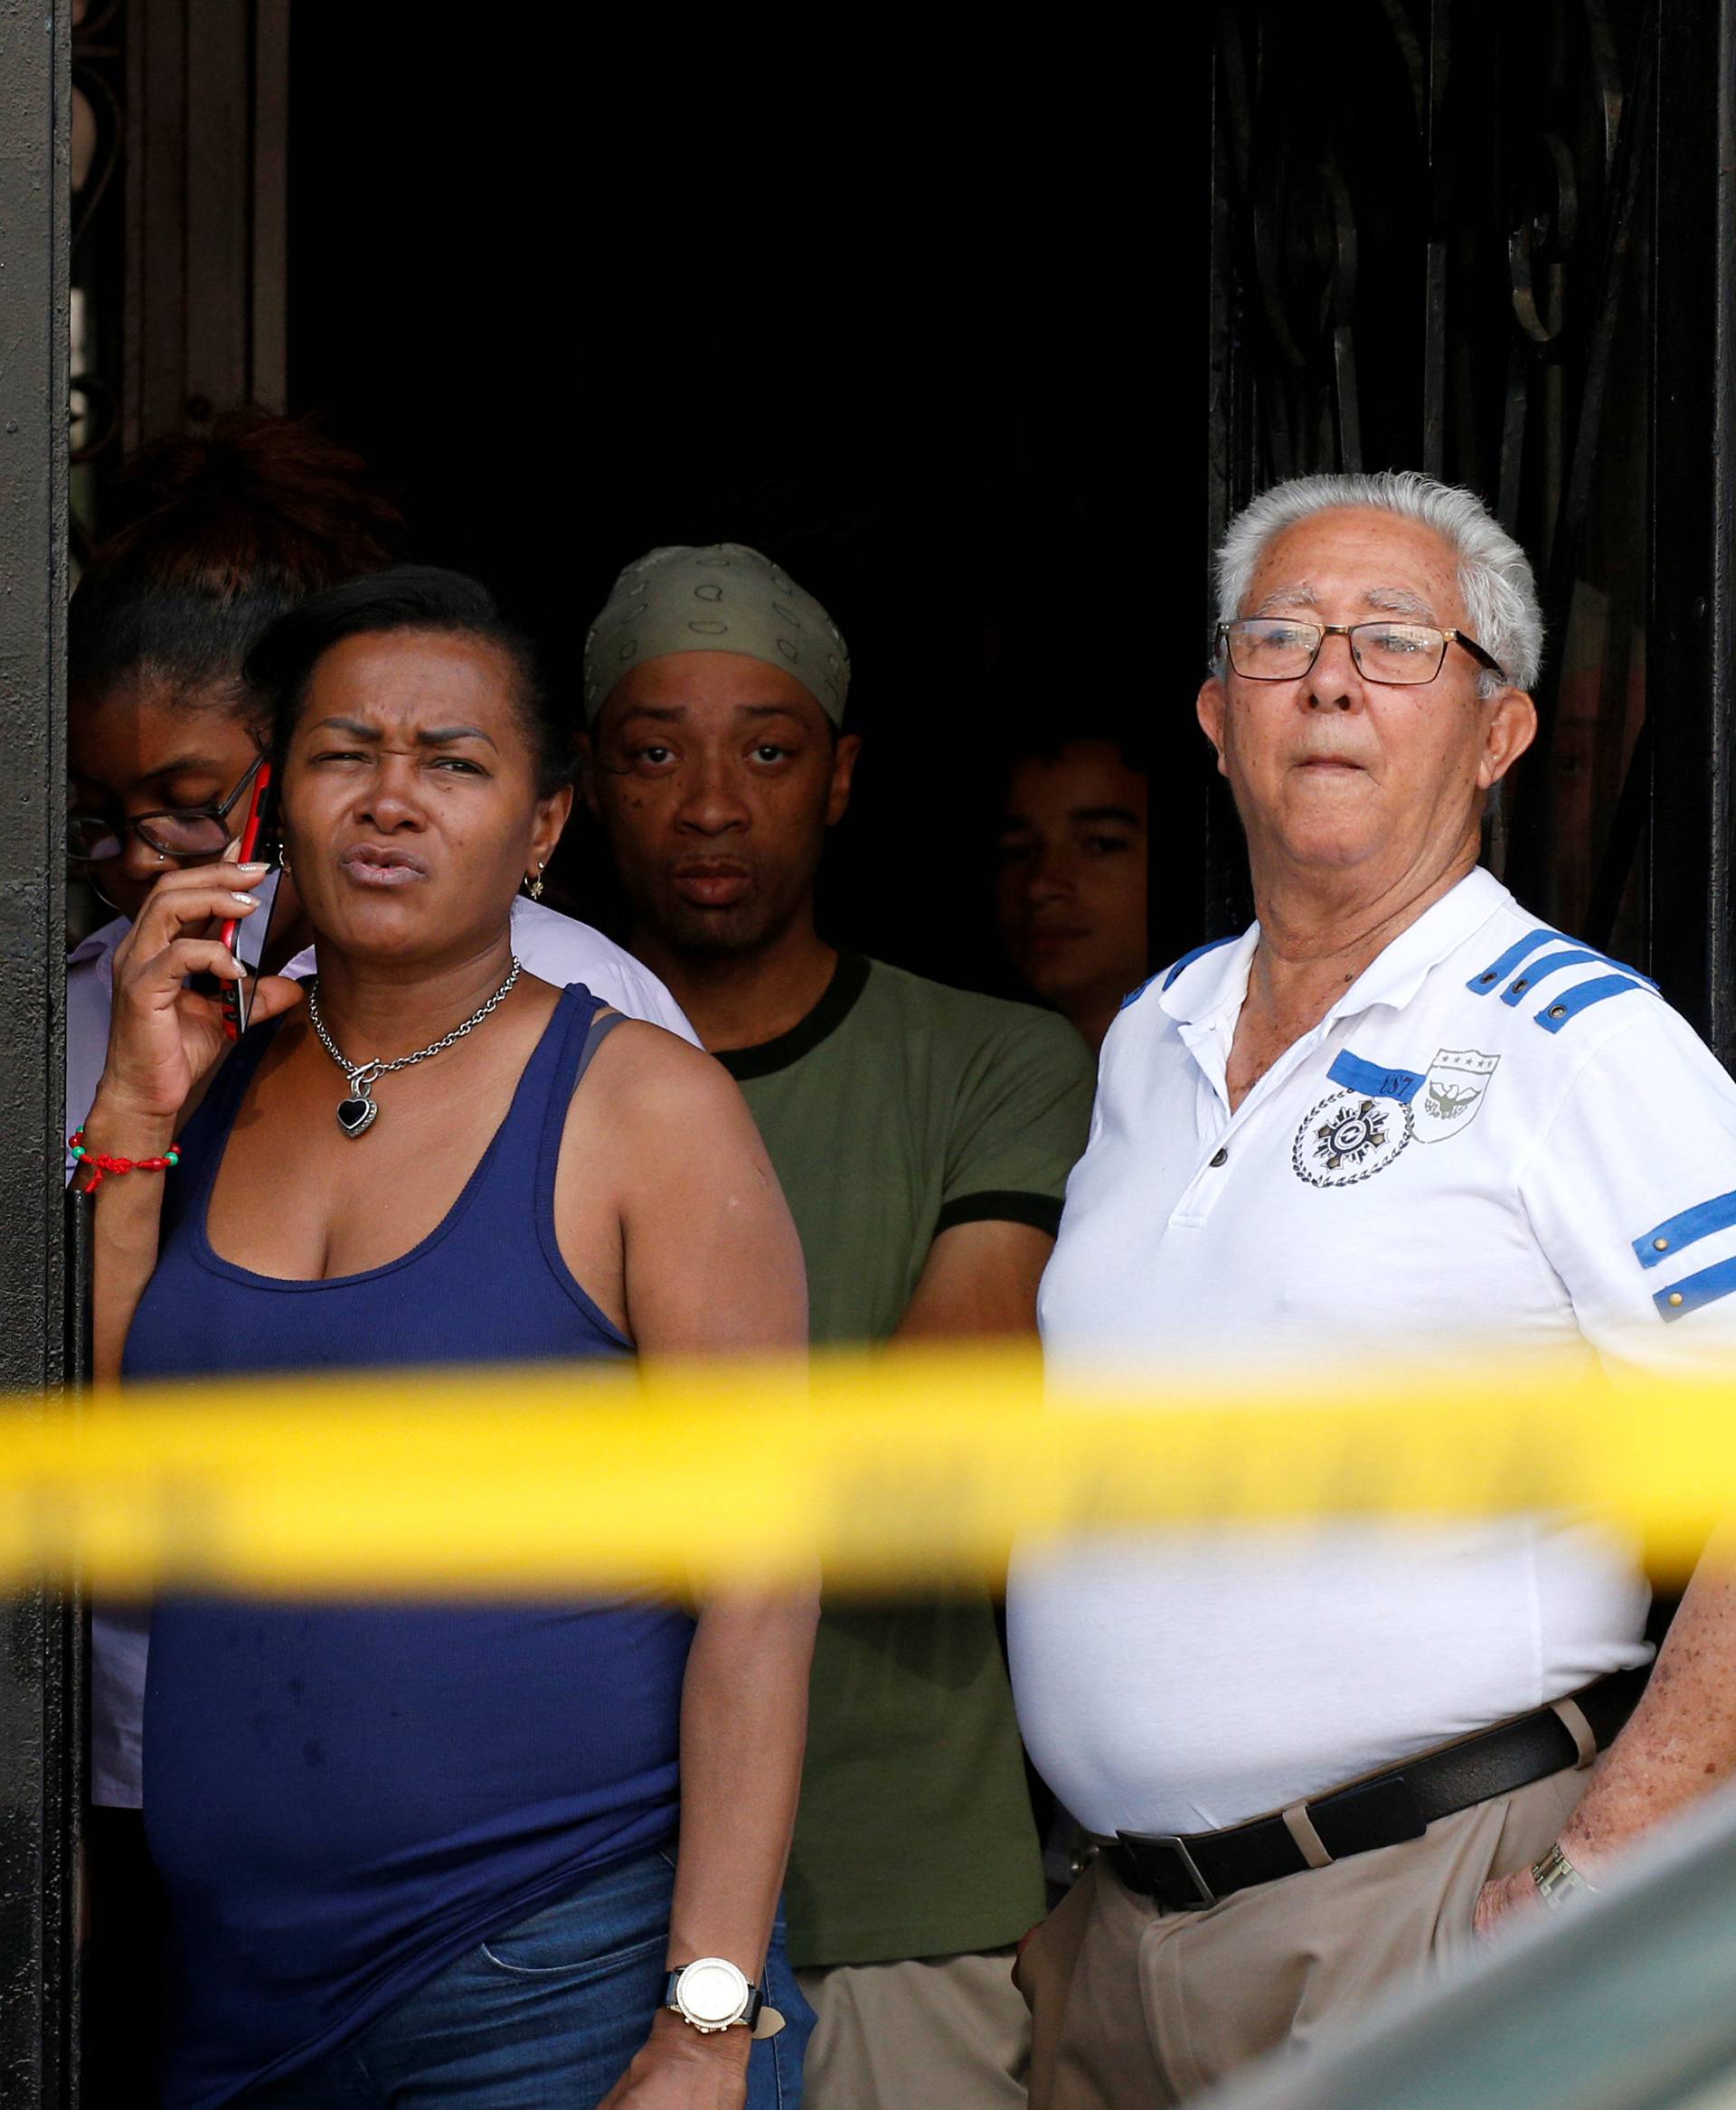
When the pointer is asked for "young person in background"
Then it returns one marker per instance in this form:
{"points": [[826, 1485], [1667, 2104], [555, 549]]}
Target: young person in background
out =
{"points": [[1071, 889], [923, 1138]]}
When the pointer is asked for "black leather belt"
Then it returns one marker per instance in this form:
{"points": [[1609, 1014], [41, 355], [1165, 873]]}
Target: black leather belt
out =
{"points": [[1188, 1872]]}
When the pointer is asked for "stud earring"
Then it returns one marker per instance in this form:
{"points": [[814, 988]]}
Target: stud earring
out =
{"points": [[534, 886]]}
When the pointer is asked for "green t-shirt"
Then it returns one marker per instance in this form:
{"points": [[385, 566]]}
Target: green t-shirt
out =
{"points": [[897, 1108]]}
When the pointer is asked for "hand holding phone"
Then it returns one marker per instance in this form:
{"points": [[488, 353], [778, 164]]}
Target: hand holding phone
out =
{"points": [[246, 936]]}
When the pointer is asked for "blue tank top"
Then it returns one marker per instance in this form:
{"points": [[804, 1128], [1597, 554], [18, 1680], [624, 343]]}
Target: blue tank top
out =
{"points": [[342, 1799]]}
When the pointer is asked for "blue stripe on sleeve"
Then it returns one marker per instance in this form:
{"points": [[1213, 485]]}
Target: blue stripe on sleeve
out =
{"points": [[1694, 1290], [1521, 949], [1358, 1075], [1654, 1247], [1568, 1006], [1577, 957]]}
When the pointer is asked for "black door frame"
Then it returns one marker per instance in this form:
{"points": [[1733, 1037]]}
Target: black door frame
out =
{"points": [[1690, 518], [41, 1683]]}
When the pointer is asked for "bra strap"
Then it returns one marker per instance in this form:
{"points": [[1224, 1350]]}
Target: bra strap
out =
{"points": [[600, 1028]]}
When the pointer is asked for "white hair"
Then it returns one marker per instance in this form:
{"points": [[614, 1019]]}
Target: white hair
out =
{"points": [[1494, 576]]}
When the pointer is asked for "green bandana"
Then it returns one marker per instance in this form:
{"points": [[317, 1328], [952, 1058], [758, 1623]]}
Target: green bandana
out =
{"points": [[725, 597]]}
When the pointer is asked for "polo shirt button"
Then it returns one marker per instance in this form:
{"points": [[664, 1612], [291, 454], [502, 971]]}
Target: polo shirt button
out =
{"points": [[1223, 1158]]}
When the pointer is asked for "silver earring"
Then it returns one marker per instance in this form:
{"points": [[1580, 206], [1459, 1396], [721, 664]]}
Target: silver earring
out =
{"points": [[534, 887]]}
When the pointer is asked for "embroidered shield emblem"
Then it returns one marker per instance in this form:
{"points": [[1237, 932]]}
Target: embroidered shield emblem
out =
{"points": [[1348, 1137], [1454, 1088]]}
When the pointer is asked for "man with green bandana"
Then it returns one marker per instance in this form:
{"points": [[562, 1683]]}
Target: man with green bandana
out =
{"points": [[923, 1138]]}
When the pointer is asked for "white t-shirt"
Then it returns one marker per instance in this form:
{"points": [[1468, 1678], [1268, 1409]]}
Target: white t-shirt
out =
{"points": [[1495, 1137], [552, 947]]}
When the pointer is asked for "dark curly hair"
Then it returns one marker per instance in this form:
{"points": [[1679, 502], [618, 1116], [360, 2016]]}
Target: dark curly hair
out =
{"points": [[216, 538]]}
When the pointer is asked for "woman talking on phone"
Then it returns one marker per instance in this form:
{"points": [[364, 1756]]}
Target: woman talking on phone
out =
{"points": [[214, 537], [428, 1854]]}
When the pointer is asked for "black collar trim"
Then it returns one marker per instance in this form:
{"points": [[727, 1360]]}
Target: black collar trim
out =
{"points": [[849, 979]]}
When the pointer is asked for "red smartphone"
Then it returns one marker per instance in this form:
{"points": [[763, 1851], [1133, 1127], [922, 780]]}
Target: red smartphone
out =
{"points": [[245, 936]]}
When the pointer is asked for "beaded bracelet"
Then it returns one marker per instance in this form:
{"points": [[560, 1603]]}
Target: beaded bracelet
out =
{"points": [[116, 1165]]}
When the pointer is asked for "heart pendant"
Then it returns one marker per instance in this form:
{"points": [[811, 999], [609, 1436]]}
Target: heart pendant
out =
{"points": [[355, 1115]]}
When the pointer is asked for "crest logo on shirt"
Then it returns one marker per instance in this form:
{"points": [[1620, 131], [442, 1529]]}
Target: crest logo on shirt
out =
{"points": [[1348, 1137], [1452, 1091]]}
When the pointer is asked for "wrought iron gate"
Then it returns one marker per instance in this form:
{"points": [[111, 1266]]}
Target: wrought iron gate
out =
{"points": [[1494, 242]]}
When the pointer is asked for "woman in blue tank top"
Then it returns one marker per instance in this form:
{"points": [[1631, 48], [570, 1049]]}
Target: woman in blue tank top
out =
{"points": [[429, 1853]]}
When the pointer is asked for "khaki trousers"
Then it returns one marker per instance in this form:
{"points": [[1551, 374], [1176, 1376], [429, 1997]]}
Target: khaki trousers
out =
{"points": [[1135, 2007], [937, 2033]]}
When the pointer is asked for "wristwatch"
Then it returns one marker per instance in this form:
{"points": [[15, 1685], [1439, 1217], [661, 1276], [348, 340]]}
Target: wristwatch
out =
{"points": [[714, 1994], [1558, 1880]]}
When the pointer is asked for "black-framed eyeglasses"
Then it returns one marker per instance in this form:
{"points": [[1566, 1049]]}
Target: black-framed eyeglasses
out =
{"points": [[1274, 648], [188, 834]]}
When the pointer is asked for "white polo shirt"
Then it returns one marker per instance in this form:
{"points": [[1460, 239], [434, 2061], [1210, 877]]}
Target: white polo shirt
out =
{"points": [[1495, 1137], [557, 949]]}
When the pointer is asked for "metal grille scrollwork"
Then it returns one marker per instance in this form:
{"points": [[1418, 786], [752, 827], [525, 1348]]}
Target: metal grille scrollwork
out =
{"points": [[1439, 233]]}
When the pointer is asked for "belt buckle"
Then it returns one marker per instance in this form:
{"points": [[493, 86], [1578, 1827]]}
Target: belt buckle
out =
{"points": [[1204, 1897]]}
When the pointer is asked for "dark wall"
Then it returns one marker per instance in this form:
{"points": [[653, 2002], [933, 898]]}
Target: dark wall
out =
{"points": [[921, 325]]}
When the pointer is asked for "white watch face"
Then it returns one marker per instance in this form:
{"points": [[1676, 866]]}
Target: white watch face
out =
{"points": [[712, 1993]]}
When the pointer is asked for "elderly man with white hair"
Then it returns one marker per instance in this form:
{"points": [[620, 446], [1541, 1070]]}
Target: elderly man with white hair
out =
{"points": [[1398, 1115]]}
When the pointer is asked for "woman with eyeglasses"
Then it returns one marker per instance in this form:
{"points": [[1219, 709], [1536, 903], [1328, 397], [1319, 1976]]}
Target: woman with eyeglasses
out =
{"points": [[216, 538]]}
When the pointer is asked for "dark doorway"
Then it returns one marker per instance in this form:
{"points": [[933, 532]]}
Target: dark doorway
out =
{"points": [[919, 353]]}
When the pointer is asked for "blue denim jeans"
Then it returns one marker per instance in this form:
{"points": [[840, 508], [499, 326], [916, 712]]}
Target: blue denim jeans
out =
{"points": [[544, 2017]]}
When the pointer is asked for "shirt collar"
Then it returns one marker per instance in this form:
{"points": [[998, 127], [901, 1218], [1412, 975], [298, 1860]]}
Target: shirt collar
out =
{"points": [[1218, 982], [100, 942], [1215, 982], [1394, 975]]}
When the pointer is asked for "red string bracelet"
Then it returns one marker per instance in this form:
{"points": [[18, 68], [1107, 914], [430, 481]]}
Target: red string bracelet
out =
{"points": [[104, 1166]]}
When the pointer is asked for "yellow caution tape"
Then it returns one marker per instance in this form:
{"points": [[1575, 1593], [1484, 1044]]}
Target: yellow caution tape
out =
{"points": [[902, 1470]]}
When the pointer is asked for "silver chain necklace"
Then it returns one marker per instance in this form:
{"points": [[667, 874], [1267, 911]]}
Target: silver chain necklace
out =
{"points": [[356, 1114]]}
